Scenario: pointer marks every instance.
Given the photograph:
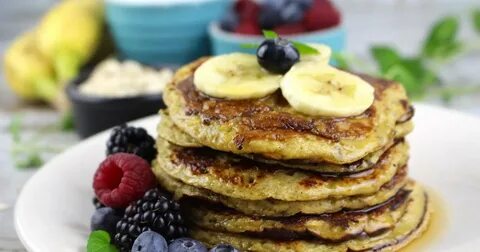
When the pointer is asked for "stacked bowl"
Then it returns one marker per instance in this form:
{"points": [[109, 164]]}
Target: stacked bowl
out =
{"points": [[163, 31]]}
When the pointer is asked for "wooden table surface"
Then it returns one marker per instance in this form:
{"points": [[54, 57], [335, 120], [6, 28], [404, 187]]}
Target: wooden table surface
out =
{"points": [[410, 21]]}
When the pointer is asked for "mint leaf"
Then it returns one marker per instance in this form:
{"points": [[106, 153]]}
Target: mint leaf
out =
{"points": [[66, 122], [385, 57], [304, 49], [270, 34], [441, 42], [476, 19], [32, 160], [99, 241], [400, 73], [14, 127], [249, 46], [413, 75], [341, 61]]}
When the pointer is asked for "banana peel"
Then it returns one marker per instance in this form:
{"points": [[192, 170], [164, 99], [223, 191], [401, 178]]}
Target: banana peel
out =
{"points": [[28, 72], [70, 34]]}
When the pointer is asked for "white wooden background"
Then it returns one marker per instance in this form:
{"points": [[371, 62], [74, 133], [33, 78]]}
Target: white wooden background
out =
{"points": [[401, 23]]}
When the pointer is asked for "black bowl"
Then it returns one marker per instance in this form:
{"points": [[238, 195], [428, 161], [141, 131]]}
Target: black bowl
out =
{"points": [[92, 114]]}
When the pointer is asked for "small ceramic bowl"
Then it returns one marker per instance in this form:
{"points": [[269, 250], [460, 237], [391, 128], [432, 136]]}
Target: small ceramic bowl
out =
{"points": [[163, 32], [93, 114], [226, 42]]}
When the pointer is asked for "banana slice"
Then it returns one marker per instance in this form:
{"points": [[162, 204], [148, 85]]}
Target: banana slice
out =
{"points": [[235, 76], [323, 56], [322, 90]]}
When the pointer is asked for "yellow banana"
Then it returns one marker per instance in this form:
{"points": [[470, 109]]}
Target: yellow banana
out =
{"points": [[28, 73], [321, 90], [70, 34], [235, 76]]}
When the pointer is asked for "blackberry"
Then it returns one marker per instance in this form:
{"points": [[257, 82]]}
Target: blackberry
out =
{"points": [[155, 212], [133, 140]]}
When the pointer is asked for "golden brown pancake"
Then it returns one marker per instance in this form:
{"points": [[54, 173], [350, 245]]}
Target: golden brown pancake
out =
{"points": [[242, 178], [169, 131], [270, 127], [409, 226], [271, 207], [333, 227]]}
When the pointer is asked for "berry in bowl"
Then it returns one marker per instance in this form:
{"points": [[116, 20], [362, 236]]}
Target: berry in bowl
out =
{"points": [[309, 21]]}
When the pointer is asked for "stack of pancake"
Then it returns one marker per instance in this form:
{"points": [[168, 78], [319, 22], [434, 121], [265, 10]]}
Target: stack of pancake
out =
{"points": [[260, 176]]}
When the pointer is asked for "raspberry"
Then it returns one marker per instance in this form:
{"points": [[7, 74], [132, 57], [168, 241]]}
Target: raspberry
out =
{"points": [[122, 178], [247, 10], [321, 15], [289, 29], [250, 28]]}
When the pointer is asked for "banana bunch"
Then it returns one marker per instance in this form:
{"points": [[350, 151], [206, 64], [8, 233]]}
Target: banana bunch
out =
{"points": [[311, 86], [70, 34], [39, 63], [29, 73]]}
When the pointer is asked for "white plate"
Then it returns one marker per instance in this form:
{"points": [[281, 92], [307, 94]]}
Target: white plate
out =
{"points": [[54, 207]]}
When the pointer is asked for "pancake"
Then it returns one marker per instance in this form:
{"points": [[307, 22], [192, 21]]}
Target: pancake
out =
{"points": [[272, 207], [169, 131], [410, 225], [334, 227], [245, 179], [270, 127]]}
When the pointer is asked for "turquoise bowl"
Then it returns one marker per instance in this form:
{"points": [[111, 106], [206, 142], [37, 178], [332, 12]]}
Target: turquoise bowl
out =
{"points": [[226, 42], [157, 33]]}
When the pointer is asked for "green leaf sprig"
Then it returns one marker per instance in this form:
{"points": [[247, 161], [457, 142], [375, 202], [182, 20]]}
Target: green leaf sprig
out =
{"points": [[420, 72], [442, 41], [66, 122], [28, 151], [476, 20], [302, 48], [100, 241], [269, 34], [412, 72], [24, 155], [15, 127]]}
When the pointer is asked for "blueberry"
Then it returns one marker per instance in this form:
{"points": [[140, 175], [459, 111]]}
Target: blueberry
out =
{"points": [[291, 13], [150, 241], [186, 245], [270, 13], [275, 4], [305, 4], [106, 219], [229, 21], [269, 18], [224, 248], [278, 12], [277, 55]]}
